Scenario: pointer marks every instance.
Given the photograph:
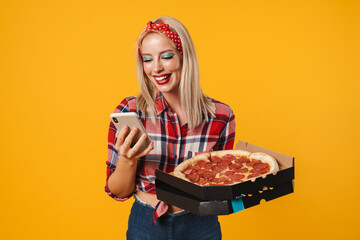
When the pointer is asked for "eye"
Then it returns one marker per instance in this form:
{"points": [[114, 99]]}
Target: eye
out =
{"points": [[147, 59], [168, 56]]}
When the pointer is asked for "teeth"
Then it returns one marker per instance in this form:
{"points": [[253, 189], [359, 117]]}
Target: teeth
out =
{"points": [[161, 78]]}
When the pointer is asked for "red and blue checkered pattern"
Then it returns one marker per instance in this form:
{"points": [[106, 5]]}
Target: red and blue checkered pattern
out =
{"points": [[172, 143]]}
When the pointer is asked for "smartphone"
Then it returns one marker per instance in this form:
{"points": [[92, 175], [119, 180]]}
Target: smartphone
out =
{"points": [[131, 120]]}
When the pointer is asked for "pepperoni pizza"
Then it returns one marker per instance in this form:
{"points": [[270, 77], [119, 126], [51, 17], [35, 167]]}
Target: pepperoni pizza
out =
{"points": [[225, 167]]}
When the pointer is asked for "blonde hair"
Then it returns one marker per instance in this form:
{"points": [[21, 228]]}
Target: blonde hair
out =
{"points": [[194, 102]]}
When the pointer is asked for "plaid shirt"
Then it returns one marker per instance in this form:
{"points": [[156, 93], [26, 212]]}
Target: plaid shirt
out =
{"points": [[172, 143]]}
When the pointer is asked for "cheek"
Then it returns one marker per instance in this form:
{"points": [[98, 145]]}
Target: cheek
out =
{"points": [[174, 66], [147, 69]]}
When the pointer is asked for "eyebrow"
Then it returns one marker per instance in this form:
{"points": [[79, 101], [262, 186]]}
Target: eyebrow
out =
{"points": [[167, 50]]}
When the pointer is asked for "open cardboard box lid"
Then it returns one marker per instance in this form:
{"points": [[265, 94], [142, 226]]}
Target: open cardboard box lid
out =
{"points": [[231, 192]]}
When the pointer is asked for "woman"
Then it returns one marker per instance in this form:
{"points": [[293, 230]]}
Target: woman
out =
{"points": [[180, 120]]}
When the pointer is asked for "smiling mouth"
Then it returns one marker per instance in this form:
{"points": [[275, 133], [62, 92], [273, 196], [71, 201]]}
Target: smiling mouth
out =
{"points": [[162, 79]]}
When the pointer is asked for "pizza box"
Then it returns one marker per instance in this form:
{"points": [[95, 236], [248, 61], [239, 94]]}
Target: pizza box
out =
{"points": [[230, 192], [201, 207]]}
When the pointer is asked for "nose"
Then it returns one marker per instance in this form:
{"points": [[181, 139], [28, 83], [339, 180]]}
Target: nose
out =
{"points": [[158, 67]]}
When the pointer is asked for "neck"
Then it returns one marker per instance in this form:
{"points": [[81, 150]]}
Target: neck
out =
{"points": [[174, 102]]}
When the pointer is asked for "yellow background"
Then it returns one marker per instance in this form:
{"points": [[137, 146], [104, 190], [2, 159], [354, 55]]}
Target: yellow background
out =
{"points": [[289, 69]]}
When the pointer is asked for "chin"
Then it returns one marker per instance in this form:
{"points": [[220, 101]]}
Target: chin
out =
{"points": [[164, 90]]}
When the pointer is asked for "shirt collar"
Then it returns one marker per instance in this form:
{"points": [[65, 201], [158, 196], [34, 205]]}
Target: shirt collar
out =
{"points": [[160, 103]]}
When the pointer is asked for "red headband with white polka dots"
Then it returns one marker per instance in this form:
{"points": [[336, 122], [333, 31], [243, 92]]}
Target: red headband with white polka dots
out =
{"points": [[165, 29]]}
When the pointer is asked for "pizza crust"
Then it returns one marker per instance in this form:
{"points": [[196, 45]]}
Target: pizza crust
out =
{"points": [[238, 153]]}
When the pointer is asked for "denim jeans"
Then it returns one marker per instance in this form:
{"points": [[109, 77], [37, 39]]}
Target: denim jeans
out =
{"points": [[171, 226]]}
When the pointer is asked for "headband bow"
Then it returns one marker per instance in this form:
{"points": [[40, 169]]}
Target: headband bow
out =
{"points": [[164, 28]]}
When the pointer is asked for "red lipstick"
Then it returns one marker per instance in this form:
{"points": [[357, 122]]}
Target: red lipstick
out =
{"points": [[164, 78]]}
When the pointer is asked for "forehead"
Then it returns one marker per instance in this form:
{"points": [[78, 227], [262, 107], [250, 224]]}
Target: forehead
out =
{"points": [[155, 43]]}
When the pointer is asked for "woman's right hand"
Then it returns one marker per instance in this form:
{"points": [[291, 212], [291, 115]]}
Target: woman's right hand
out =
{"points": [[122, 181], [123, 142]]}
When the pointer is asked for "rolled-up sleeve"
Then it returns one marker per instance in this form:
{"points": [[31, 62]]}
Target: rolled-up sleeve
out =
{"points": [[112, 152]]}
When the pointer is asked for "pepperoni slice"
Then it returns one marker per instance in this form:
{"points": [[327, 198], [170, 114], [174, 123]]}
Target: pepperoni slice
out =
{"points": [[253, 175], [235, 165], [187, 171], [261, 171], [206, 181], [189, 167], [216, 180], [208, 174], [215, 159], [223, 179], [231, 167], [195, 167], [193, 177], [243, 159], [241, 170], [200, 163], [260, 166], [225, 162], [237, 177], [252, 163], [229, 173], [203, 181], [201, 171], [227, 181], [216, 168], [222, 167], [208, 165]]}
